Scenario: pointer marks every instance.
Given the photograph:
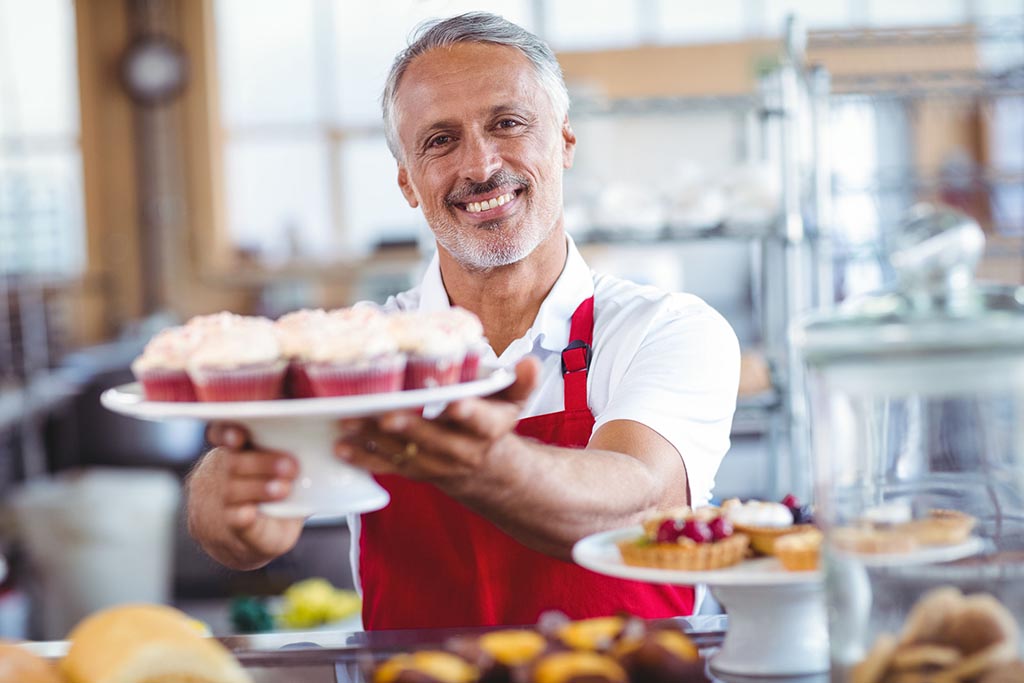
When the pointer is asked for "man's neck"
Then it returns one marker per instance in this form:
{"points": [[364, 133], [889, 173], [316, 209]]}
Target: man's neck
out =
{"points": [[506, 299]]}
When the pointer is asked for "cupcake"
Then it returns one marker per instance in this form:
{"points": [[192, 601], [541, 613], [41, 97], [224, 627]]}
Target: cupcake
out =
{"points": [[162, 367], [428, 666], [238, 359], [348, 358], [434, 353], [687, 540], [465, 326], [764, 521], [501, 656], [660, 655], [295, 333]]}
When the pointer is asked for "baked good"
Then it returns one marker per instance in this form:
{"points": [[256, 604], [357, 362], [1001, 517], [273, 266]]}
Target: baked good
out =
{"points": [[162, 367], [577, 667], [940, 527], [765, 521], [295, 333], [687, 540], [501, 656], [352, 356], [18, 665], [466, 327], [799, 551], [872, 540], [427, 666], [594, 635], [661, 655], [146, 644], [946, 637], [237, 359], [434, 354]]}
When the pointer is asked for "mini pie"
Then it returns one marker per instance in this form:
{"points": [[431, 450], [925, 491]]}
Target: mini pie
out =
{"points": [[799, 551], [687, 540]]}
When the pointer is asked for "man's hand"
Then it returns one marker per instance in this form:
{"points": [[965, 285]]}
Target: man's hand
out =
{"points": [[224, 493], [447, 450]]}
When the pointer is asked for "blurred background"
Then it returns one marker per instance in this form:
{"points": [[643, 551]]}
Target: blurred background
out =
{"points": [[166, 158]]}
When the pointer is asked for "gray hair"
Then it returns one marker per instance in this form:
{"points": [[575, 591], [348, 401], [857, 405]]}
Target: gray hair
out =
{"points": [[473, 27]]}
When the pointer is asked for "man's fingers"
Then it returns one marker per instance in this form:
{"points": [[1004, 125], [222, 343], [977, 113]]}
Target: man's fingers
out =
{"points": [[485, 418], [255, 490], [262, 464], [227, 434]]}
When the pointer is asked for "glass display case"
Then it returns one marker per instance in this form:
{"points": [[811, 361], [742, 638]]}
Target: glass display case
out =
{"points": [[916, 399]]}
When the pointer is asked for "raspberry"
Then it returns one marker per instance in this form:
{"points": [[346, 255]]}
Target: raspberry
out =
{"points": [[791, 501], [669, 531], [697, 531], [720, 528]]}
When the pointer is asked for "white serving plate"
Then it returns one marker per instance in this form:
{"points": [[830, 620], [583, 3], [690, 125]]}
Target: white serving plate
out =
{"points": [[307, 428]]}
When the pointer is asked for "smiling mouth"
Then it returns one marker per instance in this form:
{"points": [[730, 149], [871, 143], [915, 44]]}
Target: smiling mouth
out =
{"points": [[488, 204]]}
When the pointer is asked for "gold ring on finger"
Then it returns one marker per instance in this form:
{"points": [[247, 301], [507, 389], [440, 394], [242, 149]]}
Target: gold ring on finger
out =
{"points": [[408, 453]]}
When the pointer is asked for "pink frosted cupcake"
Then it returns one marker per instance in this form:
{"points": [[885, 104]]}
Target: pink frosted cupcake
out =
{"points": [[349, 358], [161, 369], [239, 360], [295, 333], [466, 326], [435, 355]]}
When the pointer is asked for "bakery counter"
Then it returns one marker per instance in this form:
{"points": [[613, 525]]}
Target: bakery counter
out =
{"points": [[343, 657]]}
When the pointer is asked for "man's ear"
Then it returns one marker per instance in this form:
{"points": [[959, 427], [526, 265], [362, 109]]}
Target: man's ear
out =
{"points": [[568, 143], [406, 187]]}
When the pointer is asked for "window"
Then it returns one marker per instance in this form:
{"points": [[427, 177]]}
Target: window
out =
{"points": [[308, 174], [41, 200]]}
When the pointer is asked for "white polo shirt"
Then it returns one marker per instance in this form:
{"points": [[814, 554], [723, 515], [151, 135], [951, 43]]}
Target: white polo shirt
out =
{"points": [[666, 360]]}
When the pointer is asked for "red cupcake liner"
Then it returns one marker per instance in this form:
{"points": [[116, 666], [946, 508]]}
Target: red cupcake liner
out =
{"points": [[264, 382], [470, 367], [296, 381], [425, 373], [337, 379], [167, 385]]}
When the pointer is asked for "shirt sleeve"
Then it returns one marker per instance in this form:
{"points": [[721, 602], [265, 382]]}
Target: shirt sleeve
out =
{"points": [[681, 381]]}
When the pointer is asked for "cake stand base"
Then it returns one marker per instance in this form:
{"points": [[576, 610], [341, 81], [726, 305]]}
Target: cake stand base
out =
{"points": [[773, 631]]}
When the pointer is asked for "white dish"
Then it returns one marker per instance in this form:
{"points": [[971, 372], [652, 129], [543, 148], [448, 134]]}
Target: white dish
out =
{"points": [[600, 553], [127, 399], [307, 428], [930, 555]]}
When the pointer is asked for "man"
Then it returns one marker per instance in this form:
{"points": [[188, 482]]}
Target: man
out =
{"points": [[623, 396]]}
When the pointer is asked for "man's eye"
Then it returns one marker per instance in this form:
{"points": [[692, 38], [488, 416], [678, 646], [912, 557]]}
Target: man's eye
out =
{"points": [[439, 140], [508, 123]]}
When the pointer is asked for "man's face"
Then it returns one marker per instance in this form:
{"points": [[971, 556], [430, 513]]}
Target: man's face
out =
{"points": [[477, 128]]}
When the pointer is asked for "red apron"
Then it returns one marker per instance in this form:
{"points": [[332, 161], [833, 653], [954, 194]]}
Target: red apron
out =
{"points": [[426, 561]]}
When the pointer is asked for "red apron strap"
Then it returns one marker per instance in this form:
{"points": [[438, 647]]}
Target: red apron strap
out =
{"points": [[576, 356]]}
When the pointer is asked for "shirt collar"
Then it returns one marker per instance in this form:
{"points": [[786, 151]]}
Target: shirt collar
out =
{"points": [[551, 327]]}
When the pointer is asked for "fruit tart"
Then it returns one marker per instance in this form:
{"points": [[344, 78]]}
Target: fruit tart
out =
{"points": [[765, 522], [688, 540]]}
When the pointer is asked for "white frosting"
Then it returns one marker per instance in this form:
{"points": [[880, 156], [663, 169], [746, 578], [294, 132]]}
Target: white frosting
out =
{"points": [[460, 322], [348, 342], [296, 330], [216, 321], [893, 512], [359, 314], [170, 349], [420, 334], [756, 513], [247, 341]]}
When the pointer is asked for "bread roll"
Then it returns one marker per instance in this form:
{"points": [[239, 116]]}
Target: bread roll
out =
{"points": [[146, 644], [18, 665]]}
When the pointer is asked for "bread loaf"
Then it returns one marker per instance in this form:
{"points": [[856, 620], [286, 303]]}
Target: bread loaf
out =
{"points": [[146, 644]]}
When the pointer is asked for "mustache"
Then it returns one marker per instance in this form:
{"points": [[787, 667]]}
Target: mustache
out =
{"points": [[501, 178]]}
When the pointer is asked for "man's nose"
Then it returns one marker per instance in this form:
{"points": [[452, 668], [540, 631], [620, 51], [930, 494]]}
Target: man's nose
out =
{"points": [[480, 158]]}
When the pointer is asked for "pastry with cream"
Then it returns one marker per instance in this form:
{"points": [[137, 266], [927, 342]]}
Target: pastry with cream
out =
{"points": [[237, 359], [688, 540]]}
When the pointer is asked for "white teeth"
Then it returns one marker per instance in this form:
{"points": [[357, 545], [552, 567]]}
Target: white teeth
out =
{"points": [[477, 207]]}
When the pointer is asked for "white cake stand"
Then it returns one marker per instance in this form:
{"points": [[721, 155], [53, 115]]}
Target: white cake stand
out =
{"points": [[307, 428], [777, 622]]}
